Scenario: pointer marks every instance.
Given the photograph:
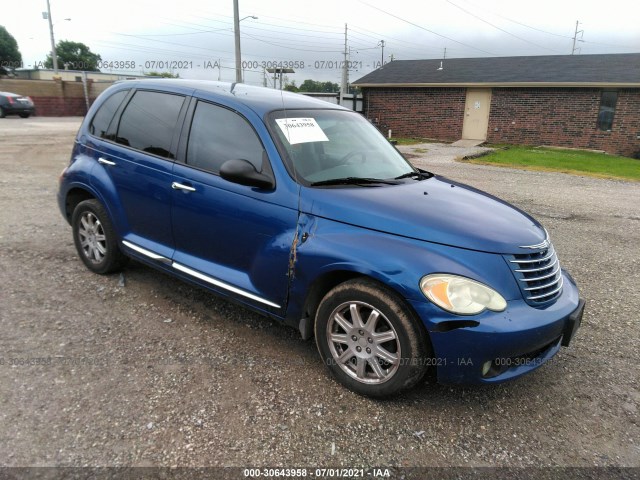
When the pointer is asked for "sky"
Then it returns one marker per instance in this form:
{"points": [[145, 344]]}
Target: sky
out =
{"points": [[194, 38]]}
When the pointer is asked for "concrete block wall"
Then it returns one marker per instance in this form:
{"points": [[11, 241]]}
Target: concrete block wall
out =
{"points": [[55, 98]]}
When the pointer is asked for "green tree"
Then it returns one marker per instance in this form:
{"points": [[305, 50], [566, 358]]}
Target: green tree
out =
{"points": [[330, 87], [76, 55], [291, 87], [163, 74], [10, 57], [313, 86]]}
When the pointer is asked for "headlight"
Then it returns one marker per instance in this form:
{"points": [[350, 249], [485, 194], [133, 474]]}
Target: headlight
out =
{"points": [[461, 295]]}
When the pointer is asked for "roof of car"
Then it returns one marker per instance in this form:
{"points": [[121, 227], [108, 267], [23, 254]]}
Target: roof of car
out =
{"points": [[10, 94], [259, 99]]}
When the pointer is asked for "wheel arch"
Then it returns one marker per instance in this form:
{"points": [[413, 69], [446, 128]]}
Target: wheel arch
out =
{"points": [[73, 197], [322, 285], [329, 280]]}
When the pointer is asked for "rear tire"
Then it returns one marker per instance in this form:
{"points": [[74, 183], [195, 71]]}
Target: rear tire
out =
{"points": [[370, 340], [95, 238], [25, 115], [2, 113]]}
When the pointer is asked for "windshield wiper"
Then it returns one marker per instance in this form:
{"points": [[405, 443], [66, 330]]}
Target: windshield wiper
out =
{"points": [[419, 175], [353, 181]]}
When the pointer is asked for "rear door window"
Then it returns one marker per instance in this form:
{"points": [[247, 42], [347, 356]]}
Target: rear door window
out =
{"points": [[148, 123], [102, 119]]}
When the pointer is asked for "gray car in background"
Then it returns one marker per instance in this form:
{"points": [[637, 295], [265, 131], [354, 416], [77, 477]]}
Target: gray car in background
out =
{"points": [[14, 104]]}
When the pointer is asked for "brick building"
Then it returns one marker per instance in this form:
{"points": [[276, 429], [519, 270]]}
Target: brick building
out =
{"points": [[580, 101]]}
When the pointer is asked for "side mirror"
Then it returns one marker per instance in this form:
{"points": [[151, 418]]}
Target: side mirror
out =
{"points": [[244, 173]]}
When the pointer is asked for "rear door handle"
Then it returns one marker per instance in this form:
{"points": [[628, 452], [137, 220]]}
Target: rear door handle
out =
{"points": [[180, 186], [104, 161]]}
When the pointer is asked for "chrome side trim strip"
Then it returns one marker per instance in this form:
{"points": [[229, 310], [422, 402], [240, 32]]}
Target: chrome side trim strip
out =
{"points": [[196, 274], [147, 253], [220, 284]]}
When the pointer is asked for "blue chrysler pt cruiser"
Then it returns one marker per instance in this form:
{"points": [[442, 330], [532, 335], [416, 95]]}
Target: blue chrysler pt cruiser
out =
{"points": [[301, 210]]}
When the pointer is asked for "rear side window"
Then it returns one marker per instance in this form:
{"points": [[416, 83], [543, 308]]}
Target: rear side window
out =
{"points": [[101, 120], [217, 135], [148, 122]]}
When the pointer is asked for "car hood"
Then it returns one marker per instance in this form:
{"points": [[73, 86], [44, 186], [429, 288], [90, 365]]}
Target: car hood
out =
{"points": [[434, 210]]}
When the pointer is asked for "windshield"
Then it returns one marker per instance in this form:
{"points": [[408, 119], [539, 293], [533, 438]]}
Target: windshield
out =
{"points": [[326, 145]]}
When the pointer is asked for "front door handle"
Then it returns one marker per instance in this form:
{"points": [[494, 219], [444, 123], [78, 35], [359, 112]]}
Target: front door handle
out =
{"points": [[180, 186], [104, 161]]}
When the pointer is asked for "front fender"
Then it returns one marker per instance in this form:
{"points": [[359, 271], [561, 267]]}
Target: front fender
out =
{"points": [[327, 246]]}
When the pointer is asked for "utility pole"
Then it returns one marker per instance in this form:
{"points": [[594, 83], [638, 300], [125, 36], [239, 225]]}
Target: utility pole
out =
{"points": [[236, 30], [345, 69], [575, 37], [54, 55]]}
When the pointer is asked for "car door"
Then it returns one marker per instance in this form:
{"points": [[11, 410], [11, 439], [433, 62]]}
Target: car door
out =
{"points": [[235, 238], [137, 155]]}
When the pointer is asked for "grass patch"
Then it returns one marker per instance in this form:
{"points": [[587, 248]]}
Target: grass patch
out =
{"points": [[578, 162], [412, 141]]}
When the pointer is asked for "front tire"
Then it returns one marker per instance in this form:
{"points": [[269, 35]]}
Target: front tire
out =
{"points": [[95, 238], [2, 113], [25, 115], [370, 340]]}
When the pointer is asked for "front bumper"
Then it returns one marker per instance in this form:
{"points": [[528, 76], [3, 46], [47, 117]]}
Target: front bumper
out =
{"points": [[18, 109], [495, 347]]}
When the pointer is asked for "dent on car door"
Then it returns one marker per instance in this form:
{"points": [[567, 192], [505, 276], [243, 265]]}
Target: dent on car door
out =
{"points": [[138, 157], [235, 238]]}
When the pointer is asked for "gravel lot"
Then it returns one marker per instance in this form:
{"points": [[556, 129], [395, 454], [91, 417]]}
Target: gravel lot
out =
{"points": [[142, 370]]}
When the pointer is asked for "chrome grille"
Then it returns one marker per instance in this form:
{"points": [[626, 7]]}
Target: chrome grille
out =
{"points": [[538, 274]]}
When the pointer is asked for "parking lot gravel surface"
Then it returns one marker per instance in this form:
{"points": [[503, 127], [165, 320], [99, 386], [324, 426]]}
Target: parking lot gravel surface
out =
{"points": [[139, 369]]}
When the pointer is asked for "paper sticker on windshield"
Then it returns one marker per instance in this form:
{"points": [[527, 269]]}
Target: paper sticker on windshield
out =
{"points": [[301, 130]]}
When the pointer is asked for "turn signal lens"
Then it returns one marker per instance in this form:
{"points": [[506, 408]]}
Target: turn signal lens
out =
{"points": [[461, 295]]}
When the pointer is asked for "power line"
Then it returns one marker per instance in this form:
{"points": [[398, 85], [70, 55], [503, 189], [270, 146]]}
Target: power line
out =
{"points": [[419, 51], [314, 42], [339, 32], [228, 29], [498, 28], [552, 33], [290, 47], [426, 29], [523, 24]]}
